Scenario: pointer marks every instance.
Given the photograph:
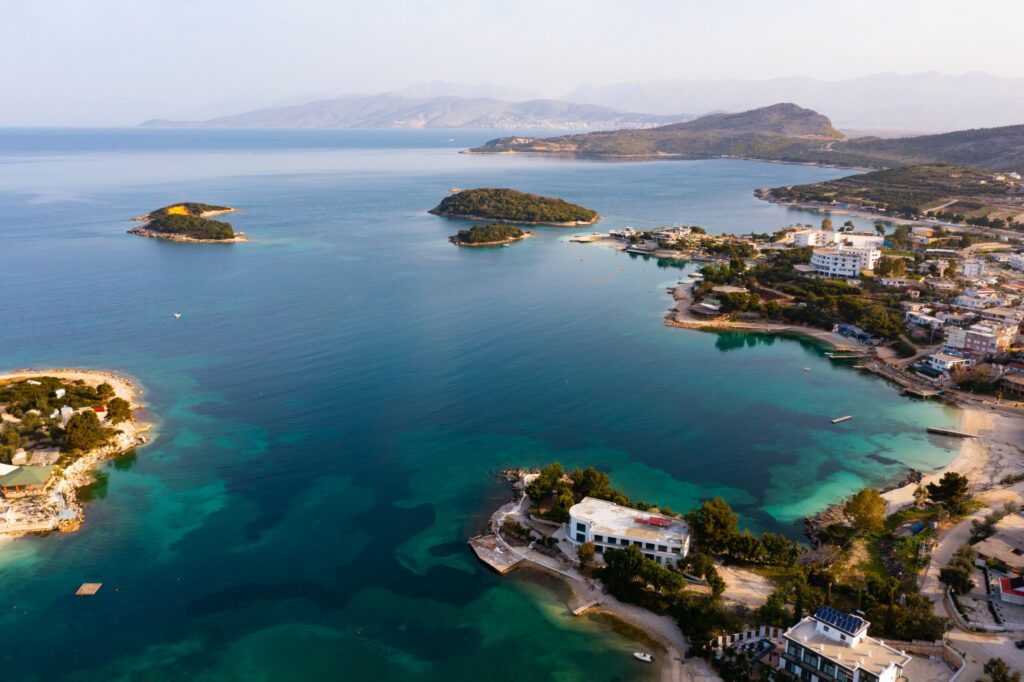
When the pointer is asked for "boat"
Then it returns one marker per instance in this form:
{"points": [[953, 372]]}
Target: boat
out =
{"points": [[641, 656], [841, 419], [807, 369], [454, 190], [177, 316]]}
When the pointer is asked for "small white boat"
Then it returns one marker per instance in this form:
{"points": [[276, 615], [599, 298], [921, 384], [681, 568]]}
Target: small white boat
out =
{"points": [[177, 316], [641, 656]]}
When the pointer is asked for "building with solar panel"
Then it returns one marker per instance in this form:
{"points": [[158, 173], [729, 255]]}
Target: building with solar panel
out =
{"points": [[832, 646], [663, 539]]}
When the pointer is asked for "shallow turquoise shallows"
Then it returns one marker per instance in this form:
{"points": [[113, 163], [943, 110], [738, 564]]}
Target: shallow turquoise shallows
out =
{"points": [[339, 394]]}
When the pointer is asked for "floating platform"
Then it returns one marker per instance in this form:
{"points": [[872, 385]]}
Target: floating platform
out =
{"points": [[949, 432], [580, 610], [837, 420], [494, 553], [88, 589]]}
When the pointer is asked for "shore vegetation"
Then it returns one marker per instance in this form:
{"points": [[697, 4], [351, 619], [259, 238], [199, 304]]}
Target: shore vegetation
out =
{"points": [[511, 205]]}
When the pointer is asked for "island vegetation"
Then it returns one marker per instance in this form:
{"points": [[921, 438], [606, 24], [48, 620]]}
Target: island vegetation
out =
{"points": [[491, 234], [54, 428], [188, 221], [513, 206]]}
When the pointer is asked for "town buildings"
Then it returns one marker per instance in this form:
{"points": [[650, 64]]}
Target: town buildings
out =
{"points": [[663, 539], [844, 261], [832, 646]]}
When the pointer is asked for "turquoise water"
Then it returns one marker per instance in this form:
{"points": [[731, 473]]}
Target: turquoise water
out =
{"points": [[339, 394]]}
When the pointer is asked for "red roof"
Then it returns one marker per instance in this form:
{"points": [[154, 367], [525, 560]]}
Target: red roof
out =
{"points": [[99, 409], [1006, 585]]}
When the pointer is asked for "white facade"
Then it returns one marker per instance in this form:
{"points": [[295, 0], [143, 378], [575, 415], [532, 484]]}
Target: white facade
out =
{"points": [[946, 363], [831, 645], [844, 261], [611, 526], [973, 269], [860, 240], [1016, 261], [918, 318]]}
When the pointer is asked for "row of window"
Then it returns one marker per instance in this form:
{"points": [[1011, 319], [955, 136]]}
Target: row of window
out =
{"points": [[816, 662]]}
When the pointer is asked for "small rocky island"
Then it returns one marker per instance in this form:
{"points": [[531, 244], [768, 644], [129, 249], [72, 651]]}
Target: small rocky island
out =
{"points": [[513, 206], [55, 428], [492, 234], [188, 222]]}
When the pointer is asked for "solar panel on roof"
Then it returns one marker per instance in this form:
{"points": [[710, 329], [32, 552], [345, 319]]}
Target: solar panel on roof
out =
{"points": [[842, 621]]}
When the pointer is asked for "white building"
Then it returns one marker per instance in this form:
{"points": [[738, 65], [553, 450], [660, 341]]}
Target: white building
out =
{"points": [[835, 646], [860, 240], [973, 269], [612, 526], [923, 320], [1016, 261], [841, 261], [946, 363]]}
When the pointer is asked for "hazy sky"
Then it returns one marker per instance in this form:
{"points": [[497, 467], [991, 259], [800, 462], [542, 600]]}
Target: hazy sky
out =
{"points": [[110, 62]]}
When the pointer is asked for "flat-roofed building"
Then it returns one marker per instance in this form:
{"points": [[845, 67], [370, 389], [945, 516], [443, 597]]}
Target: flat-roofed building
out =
{"points": [[842, 261], [1006, 545], [835, 646], [611, 526]]}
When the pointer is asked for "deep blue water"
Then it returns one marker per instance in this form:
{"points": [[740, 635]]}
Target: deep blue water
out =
{"points": [[339, 394]]}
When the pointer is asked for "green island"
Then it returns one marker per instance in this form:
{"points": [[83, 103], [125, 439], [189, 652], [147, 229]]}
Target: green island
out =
{"points": [[726, 589], [955, 194], [780, 132], [513, 206], [188, 222], [55, 427], [492, 234]]}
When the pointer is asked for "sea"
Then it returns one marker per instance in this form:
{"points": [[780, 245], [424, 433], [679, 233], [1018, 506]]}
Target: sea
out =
{"points": [[339, 395]]}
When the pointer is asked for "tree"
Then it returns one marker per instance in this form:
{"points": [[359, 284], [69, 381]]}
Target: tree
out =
{"points": [[998, 671], [83, 431], [826, 224], [713, 524], [866, 511], [950, 491], [880, 229], [540, 487], [958, 578], [586, 555], [591, 483], [118, 410], [920, 495], [104, 391]]}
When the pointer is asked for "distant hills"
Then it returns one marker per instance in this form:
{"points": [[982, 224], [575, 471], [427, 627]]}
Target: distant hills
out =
{"points": [[922, 102], [393, 110], [782, 132]]}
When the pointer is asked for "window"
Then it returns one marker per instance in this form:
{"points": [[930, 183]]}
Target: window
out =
{"points": [[842, 637], [649, 545], [793, 649], [598, 538], [824, 627], [581, 527], [662, 548], [810, 659], [675, 550], [581, 537], [599, 549], [649, 556], [637, 543], [829, 668]]}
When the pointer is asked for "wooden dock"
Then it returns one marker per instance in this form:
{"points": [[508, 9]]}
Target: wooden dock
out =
{"points": [[580, 610], [493, 552], [88, 589], [949, 432], [921, 392]]}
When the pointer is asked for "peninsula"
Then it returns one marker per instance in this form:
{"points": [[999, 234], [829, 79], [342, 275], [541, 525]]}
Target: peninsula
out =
{"points": [[513, 206], [780, 132], [188, 222], [492, 234], [55, 428]]}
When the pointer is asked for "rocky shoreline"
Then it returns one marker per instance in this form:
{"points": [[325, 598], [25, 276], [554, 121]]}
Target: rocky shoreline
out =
{"points": [[143, 232], [575, 223], [454, 239]]}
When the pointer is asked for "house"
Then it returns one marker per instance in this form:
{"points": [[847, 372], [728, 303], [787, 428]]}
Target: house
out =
{"points": [[663, 539], [956, 319], [940, 285], [894, 282], [919, 318], [1011, 316], [26, 480], [984, 340], [835, 646], [946, 362], [59, 393], [843, 261], [101, 412], [1016, 261], [1011, 590], [1013, 384], [1006, 545], [812, 237], [973, 268]]}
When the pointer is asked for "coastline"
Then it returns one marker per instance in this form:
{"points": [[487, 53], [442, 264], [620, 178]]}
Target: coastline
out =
{"points": [[141, 231], [79, 474]]}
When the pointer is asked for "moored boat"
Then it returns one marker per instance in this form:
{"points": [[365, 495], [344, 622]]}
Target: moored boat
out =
{"points": [[645, 657]]}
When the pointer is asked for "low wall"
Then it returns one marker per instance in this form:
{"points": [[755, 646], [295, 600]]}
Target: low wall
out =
{"points": [[750, 634], [930, 649]]}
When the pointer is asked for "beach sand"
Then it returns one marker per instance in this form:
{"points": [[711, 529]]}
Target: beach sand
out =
{"points": [[993, 454]]}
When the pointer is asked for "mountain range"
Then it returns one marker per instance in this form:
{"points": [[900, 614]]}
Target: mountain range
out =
{"points": [[782, 132], [392, 110]]}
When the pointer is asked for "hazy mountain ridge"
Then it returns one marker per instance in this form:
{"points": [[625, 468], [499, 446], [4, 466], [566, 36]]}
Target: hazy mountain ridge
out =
{"points": [[395, 111], [915, 102], [783, 132]]}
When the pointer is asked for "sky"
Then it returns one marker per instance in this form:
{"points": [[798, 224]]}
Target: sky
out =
{"points": [[118, 62]]}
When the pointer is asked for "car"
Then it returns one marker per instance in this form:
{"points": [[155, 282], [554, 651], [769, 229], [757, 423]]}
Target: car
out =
{"points": [[1019, 644]]}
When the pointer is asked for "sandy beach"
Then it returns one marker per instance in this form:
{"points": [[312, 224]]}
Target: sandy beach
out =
{"points": [[990, 456]]}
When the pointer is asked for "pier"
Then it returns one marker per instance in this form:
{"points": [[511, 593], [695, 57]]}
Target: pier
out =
{"points": [[492, 552], [949, 432]]}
